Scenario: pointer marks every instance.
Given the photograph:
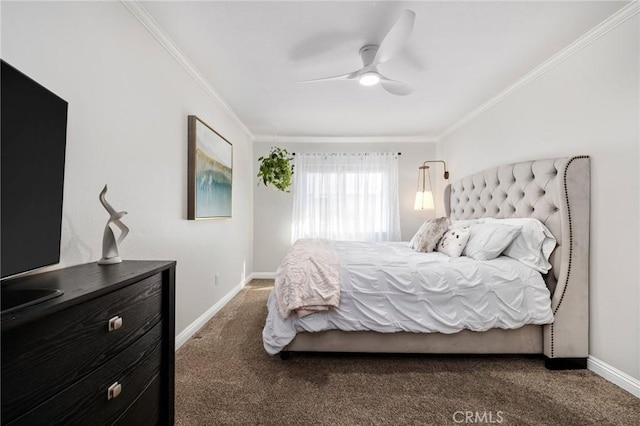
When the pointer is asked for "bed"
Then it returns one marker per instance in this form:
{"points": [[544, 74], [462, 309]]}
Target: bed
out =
{"points": [[553, 191]]}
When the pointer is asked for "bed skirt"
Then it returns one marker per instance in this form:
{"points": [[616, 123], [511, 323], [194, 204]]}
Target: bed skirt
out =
{"points": [[524, 340]]}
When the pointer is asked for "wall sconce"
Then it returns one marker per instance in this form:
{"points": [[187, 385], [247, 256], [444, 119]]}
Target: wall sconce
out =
{"points": [[424, 194]]}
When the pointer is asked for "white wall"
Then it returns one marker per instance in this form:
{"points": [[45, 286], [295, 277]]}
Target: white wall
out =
{"points": [[272, 216], [128, 106], [588, 104]]}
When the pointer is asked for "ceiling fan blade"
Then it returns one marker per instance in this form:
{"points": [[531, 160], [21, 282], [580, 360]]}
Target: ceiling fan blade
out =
{"points": [[395, 87], [396, 38], [347, 76]]}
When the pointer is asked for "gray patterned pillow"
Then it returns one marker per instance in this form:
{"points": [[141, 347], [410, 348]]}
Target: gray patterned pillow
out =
{"points": [[429, 234]]}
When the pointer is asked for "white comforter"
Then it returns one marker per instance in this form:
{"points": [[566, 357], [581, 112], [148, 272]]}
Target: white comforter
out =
{"points": [[387, 287]]}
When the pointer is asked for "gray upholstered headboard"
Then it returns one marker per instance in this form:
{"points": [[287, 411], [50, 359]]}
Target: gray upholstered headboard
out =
{"points": [[529, 189], [554, 191]]}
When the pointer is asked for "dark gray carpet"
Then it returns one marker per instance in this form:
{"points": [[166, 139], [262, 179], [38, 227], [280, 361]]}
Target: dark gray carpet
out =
{"points": [[224, 376]]}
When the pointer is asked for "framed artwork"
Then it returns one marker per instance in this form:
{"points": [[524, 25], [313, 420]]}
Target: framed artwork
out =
{"points": [[210, 172]]}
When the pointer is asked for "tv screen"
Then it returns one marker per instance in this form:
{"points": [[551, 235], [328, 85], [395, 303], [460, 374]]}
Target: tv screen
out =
{"points": [[33, 123]]}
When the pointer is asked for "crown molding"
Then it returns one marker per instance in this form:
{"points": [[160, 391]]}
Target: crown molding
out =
{"points": [[343, 139], [165, 41], [595, 33], [592, 35]]}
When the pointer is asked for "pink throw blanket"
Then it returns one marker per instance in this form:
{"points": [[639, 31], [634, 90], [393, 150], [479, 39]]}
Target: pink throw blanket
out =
{"points": [[308, 279]]}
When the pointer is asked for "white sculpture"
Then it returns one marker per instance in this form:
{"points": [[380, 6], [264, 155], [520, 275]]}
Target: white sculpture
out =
{"points": [[110, 253]]}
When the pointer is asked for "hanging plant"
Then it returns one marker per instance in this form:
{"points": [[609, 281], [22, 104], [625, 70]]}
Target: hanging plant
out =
{"points": [[276, 169]]}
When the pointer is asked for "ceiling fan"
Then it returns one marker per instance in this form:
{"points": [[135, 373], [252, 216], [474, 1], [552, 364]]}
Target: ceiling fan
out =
{"points": [[373, 55]]}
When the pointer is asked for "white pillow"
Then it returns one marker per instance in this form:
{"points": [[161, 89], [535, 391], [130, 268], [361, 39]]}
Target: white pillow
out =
{"points": [[454, 241], [427, 237], [488, 240], [465, 223], [533, 245]]}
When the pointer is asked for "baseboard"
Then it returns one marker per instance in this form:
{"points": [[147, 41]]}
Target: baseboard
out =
{"points": [[193, 328], [264, 275], [615, 376]]}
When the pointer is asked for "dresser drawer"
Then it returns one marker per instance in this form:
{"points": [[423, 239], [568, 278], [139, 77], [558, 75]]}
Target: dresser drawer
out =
{"points": [[42, 358], [87, 401], [146, 410]]}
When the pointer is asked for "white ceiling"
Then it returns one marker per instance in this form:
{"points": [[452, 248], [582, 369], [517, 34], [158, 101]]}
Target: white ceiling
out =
{"points": [[459, 55]]}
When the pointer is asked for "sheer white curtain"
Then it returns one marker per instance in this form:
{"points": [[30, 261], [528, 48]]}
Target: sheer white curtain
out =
{"points": [[346, 197]]}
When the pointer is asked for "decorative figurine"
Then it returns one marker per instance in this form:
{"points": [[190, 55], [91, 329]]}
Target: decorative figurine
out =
{"points": [[109, 244]]}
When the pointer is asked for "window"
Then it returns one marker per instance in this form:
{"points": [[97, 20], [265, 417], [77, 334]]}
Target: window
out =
{"points": [[346, 197]]}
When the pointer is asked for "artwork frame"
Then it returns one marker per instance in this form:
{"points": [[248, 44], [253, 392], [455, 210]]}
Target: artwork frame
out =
{"points": [[210, 172]]}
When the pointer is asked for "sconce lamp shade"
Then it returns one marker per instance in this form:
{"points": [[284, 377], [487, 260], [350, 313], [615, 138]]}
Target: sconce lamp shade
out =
{"points": [[424, 194], [424, 201]]}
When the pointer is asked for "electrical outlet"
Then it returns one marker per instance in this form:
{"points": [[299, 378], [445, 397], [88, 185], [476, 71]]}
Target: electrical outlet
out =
{"points": [[215, 279]]}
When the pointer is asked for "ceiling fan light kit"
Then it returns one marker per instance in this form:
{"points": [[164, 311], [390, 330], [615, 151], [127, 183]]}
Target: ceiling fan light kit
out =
{"points": [[372, 55], [369, 78]]}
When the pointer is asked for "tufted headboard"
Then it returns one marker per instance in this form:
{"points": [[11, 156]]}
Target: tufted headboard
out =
{"points": [[554, 191], [529, 189]]}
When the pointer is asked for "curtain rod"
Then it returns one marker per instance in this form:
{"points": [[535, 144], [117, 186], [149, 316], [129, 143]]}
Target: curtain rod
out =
{"points": [[293, 153]]}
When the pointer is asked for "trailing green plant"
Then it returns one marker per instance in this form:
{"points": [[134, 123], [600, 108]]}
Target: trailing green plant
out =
{"points": [[276, 169]]}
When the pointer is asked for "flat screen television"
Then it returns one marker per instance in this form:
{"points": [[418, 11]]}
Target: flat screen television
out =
{"points": [[33, 127]]}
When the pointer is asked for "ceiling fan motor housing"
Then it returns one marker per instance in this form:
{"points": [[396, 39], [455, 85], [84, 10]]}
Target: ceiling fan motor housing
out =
{"points": [[368, 53]]}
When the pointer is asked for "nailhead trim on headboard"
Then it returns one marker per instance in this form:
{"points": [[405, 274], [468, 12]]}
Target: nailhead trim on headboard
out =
{"points": [[564, 289]]}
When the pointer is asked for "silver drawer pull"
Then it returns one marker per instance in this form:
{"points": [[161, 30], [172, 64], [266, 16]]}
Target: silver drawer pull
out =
{"points": [[114, 390], [115, 323]]}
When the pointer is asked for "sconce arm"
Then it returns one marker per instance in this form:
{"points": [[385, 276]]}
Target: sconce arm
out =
{"points": [[446, 172]]}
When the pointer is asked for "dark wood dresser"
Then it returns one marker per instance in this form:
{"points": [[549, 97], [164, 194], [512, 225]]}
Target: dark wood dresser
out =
{"points": [[101, 353]]}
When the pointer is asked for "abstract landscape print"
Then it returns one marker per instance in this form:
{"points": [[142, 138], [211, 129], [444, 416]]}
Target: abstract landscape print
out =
{"points": [[210, 172]]}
